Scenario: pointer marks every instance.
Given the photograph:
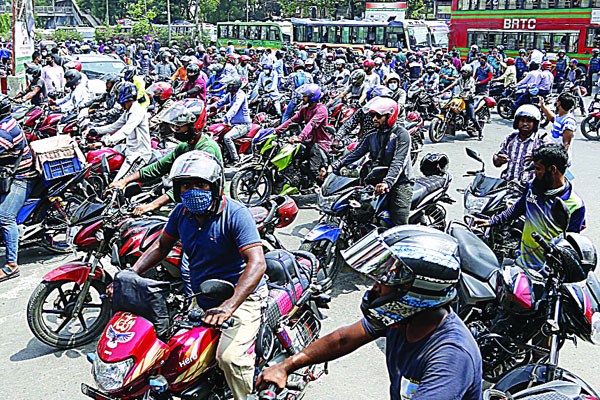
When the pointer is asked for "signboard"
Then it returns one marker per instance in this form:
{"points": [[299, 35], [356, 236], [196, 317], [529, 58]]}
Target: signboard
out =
{"points": [[23, 34], [383, 11], [595, 17], [519, 23]]}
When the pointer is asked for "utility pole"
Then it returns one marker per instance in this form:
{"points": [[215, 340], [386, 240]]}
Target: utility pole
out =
{"points": [[247, 10], [107, 16], [196, 20], [168, 19]]}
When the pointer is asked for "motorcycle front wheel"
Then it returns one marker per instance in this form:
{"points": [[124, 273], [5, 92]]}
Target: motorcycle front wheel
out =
{"points": [[50, 308], [590, 127], [250, 188], [329, 257], [505, 108], [437, 130]]}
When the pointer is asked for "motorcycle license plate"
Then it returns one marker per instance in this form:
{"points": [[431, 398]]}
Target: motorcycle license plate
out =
{"points": [[93, 393]]}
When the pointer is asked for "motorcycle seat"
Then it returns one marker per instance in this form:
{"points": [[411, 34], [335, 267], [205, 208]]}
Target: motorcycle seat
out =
{"points": [[425, 185], [476, 258]]}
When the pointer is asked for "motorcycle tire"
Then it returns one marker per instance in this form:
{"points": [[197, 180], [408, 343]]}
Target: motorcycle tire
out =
{"points": [[505, 108], [587, 127], [241, 191], [435, 133], [330, 259], [67, 297], [54, 227], [416, 145]]}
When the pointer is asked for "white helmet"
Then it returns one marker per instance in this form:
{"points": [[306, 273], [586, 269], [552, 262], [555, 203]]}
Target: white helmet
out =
{"points": [[378, 62], [529, 111], [340, 61], [467, 69]]}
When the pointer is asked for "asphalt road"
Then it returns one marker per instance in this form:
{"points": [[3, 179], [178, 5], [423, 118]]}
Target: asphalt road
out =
{"points": [[31, 370]]}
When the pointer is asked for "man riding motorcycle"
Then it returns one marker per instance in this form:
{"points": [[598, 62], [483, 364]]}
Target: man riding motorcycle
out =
{"points": [[195, 86], [371, 78], [562, 62], [448, 73], [393, 83], [430, 80], [220, 240], [188, 129], [129, 75], [269, 81], [357, 89], [531, 81], [430, 353], [341, 75], [131, 126], [314, 137], [36, 91], [464, 87], [509, 76], [238, 114], [388, 145], [517, 149], [79, 95], [298, 78]]}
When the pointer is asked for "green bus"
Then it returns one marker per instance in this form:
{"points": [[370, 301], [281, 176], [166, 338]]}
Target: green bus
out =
{"points": [[259, 34]]}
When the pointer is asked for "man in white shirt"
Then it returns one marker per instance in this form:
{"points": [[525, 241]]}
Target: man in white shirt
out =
{"points": [[79, 95], [53, 75]]}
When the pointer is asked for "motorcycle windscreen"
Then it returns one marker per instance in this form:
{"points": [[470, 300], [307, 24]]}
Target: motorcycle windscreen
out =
{"points": [[482, 185]]}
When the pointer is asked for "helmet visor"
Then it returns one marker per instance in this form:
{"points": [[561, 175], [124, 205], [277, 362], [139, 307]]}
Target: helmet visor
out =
{"points": [[173, 114]]}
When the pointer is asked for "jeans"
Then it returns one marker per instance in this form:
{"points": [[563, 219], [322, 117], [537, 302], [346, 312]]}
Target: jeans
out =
{"points": [[236, 132], [400, 198], [289, 111], [10, 205], [482, 89], [525, 98], [316, 158], [470, 108]]}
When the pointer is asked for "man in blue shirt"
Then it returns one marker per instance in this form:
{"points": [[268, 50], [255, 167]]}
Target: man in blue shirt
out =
{"points": [[220, 239], [430, 353], [483, 75], [238, 114]]}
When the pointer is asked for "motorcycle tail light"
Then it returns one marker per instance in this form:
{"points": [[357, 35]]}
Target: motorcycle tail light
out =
{"points": [[490, 102]]}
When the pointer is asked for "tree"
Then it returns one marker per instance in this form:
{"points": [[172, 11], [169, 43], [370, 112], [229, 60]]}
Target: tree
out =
{"points": [[415, 9], [322, 8]]}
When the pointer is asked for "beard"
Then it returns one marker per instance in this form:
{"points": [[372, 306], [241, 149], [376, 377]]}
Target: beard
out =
{"points": [[541, 186]]}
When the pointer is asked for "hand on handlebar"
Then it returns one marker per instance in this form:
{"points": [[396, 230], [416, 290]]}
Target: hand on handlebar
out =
{"points": [[381, 188], [272, 376], [481, 223], [217, 316], [325, 172], [120, 184], [143, 209]]}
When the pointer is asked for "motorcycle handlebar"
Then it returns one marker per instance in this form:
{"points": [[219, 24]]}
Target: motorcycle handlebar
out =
{"points": [[269, 393], [540, 240]]}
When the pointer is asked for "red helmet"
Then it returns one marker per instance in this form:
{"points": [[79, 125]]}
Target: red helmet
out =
{"points": [[160, 90], [73, 65], [412, 116], [369, 63], [286, 210], [230, 58], [245, 58], [201, 64], [546, 65], [510, 61], [375, 49], [301, 47], [383, 106]]}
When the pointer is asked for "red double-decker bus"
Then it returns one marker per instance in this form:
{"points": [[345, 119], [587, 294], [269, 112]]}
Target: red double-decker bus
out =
{"points": [[550, 25]]}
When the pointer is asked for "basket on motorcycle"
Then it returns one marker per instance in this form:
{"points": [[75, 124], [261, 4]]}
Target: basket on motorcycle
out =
{"points": [[57, 156]]}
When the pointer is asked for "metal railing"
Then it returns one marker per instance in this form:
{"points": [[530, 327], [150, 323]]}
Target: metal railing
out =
{"points": [[7, 8]]}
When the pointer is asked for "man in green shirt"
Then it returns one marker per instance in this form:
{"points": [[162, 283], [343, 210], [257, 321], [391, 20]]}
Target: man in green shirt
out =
{"points": [[187, 128]]}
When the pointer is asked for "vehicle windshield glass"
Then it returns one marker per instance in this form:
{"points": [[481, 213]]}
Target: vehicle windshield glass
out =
{"points": [[440, 39], [95, 70], [418, 36]]}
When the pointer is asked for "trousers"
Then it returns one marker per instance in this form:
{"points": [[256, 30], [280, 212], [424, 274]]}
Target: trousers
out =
{"points": [[400, 198], [236, 132], [10, 205]]}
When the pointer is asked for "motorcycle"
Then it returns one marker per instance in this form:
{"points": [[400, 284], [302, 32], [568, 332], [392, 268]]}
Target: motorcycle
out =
{"points": [[559, 390], [350, 210], [590, 126], [506, 106], [454, 118], [339, 112], [242, 144], [578, 91], [417, 99], [134, 358], [415, 128], [511, 311]]}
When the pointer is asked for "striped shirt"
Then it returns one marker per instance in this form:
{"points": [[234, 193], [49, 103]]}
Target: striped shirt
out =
{"points": [[12, 140], [517, 149], [561, 124]]}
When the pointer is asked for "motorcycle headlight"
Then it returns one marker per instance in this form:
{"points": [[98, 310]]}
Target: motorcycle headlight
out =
{"points": [[475, 205], [325, 202], [72, 234], [110, 376]]}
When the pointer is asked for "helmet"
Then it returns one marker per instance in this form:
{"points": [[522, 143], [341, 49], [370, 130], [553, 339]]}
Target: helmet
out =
{"points": [[301, 47], [358, 77], [467, 69], [193, 69], [585, 253], [368, 63], [340, 61], [500, 47], [595, 51], [510, 61], [561, 51], [310, 61], [389, 55], [286, 210], [529, 111], [200, 64], [128, 92], [379, 90], [391, 77], [34, 70], [420, 262], [5, 107], [189, 52], [298, 64], [376, 49], [522, 51], [184, 113], [412, 116], [310, 89], [329, 56], [383, 106], [475, 47], [268, 66], [546, 65], [378, 62], [203, 165], [533, 66], [230, 58], [72, 78], [430, 66], [235, 81], [216, 68], [128, 72], [574, 61], [73, 65], [160, 91], [245, 58], [186, 59], [434, 164]]}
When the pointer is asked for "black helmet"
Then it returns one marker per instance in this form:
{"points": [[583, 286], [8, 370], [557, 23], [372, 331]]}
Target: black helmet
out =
{"points": [[434, 164], [193, 69], [5, 107], [34, 70], [72, 78], [189, 52], [233, 81]]}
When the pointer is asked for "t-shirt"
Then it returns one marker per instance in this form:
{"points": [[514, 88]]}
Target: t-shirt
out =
{"points": [[566, 122], [213, 247], [445, 365]]}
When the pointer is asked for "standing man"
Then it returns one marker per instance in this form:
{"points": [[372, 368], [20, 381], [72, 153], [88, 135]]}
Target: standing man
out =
{"points": [[562, 62], [521, 64], [592, 73], [483, 75]]}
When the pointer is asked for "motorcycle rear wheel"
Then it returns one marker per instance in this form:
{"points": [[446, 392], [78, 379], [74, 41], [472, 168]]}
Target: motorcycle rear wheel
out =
{"points": [[67, 295], [329, 257], [246, 187], [436, 134], [590, 127], [505, 108], [54, 226]]}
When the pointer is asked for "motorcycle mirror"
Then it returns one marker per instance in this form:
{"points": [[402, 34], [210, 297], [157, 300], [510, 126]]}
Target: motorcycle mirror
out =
{"points": [[217, 289], [474, 154], [560, 214], [376, 175], [133, 189], [114, 257]]}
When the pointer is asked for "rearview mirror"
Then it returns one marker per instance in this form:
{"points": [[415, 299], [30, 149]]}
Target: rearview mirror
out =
{"points": [[133, 189], [474, 154], [217, 289], [114, 257], [560, 214], [376, 175]]}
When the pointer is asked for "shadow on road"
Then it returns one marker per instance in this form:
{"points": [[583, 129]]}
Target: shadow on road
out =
{"points": [[36, 349], [347, 282]]}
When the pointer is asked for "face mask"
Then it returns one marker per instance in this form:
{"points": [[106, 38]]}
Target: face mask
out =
{"points": [[393, 86], [197, 201]]}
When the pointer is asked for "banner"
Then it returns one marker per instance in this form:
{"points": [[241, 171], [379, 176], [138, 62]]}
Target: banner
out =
{"points": [[383, 11], [24, 31]]}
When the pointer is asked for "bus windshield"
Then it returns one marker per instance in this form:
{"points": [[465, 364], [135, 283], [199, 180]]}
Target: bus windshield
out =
{"points": [[418, 36], [439, 38]]}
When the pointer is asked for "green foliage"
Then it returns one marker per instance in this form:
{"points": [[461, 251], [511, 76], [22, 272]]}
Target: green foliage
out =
{"points": [[62, 35], [5, 24], [415, 9], [289, 7]]}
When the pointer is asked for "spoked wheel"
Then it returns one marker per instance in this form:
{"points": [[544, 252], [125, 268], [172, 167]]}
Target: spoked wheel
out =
{"points": [[250, 188], [50, 313], [437, 130], [54, 223], [590, 127], [329, 257], [416, 144], [505, 108]]}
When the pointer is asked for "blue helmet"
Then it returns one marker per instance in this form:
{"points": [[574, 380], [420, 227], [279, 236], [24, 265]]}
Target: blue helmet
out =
{"points": [[128, 92], [379, 90], [128, 72], [310, 89]]}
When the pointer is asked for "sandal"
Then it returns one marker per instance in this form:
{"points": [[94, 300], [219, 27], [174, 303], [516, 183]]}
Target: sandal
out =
{"points": [[7, 272]]}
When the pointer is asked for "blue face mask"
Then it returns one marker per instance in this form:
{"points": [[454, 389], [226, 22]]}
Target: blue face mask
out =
{"points": [[197, 201]]}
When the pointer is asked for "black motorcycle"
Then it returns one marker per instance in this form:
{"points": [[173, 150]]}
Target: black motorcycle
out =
{"points": [[417, 99]]}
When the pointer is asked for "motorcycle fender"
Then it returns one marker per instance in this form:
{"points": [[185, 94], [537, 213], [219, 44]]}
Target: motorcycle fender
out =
{"points": [[323, 232], [537, 373], [76, 271]]}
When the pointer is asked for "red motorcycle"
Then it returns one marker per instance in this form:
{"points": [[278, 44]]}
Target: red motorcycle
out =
{"points": [[40, 122], [415, 127], [243, 144], [339, 112]]}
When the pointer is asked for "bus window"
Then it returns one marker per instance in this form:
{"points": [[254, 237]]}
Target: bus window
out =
{"points": [[242, 31], [395, 37], [223, 31], [478, 38], [494, 39], [232, 32], [359, 35], [345, 34], [331, 36], [590, 35], [274, 34], [309, 33], [511, 4], [299, 33], [528, 4], [380, 35], [510, 41], [572, 42], [481, 4], [370, 34], [543, 42], [418, 36]]}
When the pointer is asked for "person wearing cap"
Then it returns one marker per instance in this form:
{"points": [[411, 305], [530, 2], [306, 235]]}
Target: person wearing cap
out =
{"points": [[592, 72], [509, 76], [521, 64]]}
